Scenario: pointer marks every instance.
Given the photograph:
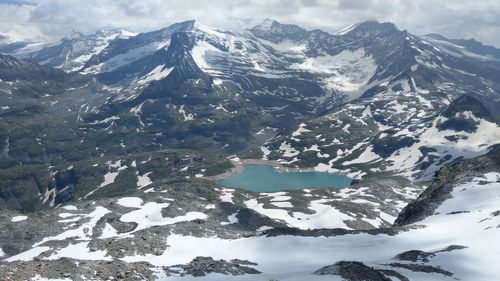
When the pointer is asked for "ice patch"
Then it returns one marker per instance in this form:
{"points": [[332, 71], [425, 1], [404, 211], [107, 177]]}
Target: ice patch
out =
{"points": [[149, 215], [232, 219], [284, 204], [110, 176], [70, 208], [84, 231], [143, 180], [227, 195], [130, 202], [158, 73], [324, 216], [348, 72], [18, 218], [366, 156], [265, 152], [300, 130], [200, 53], [188, 116], [79, 251], [287, 150], [28, 255]]}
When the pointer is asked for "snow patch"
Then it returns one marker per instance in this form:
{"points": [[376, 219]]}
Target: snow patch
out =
{"points": [[232, 219], [18, 218], [157, 73], [130, 202], [150, 215], [143, 180]]}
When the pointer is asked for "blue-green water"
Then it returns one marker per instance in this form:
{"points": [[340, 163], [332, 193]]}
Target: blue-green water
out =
{"points": [[264, 178]]}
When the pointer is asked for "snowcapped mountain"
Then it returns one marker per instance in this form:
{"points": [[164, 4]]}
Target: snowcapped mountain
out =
{"points": [[12, 46], [72, 52], [115, 137], [241, 77], [360, 101], [403, 122]]}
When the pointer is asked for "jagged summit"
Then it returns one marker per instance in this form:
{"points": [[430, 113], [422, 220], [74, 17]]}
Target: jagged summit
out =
{"points": [[346, 29], [188, 25], [118, 32], [435, 36], [100, 33], [376, 23], [74, 35], [274, 31], [267, 23], [459, 45], [373, 27]]}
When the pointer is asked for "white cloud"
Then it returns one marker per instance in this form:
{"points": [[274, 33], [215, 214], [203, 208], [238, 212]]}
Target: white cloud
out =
{"points": [[13, 20], [51, 19]]}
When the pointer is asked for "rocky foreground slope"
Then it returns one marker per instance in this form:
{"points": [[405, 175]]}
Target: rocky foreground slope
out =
{"points": [[181, 231]]}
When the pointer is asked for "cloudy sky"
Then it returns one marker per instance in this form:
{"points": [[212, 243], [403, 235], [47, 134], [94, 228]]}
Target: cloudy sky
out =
{"points": [[48, 20]]}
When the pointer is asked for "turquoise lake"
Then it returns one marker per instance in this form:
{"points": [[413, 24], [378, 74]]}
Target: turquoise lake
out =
{"points": [[264, 178]]}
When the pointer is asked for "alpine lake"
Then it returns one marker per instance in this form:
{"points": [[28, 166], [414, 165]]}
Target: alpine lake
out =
{"points": [[265, 178]]}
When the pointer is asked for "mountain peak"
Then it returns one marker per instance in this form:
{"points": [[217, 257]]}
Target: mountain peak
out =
{"points": [[115, 32], [471, 45], [178, 26], [435, 36], [274, 31], [272, 25], [374, 24], [74, 35], [268, 23], [467, 102], [347, 29], [187, 24], [126, 33], [369, 29], [205, 28]]}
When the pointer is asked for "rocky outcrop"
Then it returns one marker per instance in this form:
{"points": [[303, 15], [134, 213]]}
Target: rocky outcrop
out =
{"points": [[417, 255], [443, 184], [353, 271], [422, 268], [200, 266]]}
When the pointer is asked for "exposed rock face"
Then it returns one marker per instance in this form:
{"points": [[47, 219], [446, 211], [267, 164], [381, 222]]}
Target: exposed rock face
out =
{"points": [[12, 69], [276, 32], [446, 178], [422, 268], [353, 271], [358, 271], [201, 266], [421, 256]]}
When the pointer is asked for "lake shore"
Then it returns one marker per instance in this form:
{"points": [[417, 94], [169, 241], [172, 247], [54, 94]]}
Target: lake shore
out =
{"points": [[271, 176], [240, 163]]}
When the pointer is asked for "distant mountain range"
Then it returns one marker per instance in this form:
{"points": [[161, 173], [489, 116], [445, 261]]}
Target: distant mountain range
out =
{"points": [[192, 80]]}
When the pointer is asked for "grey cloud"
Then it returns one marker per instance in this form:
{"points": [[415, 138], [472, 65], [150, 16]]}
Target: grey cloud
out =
{"points": [[355, 5]]}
